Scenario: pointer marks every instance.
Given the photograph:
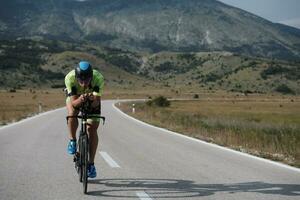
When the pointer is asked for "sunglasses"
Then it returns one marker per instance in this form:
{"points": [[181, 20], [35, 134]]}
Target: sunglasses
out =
{"points": [[84, 81]]}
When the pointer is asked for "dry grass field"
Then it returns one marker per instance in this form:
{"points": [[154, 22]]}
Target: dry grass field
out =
{"points": [[19, 104], [266, 126], [23, 103]]}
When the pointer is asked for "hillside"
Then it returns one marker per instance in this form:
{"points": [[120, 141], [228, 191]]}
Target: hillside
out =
{"points": [[151, 26], [222, 70], [44, 63]]}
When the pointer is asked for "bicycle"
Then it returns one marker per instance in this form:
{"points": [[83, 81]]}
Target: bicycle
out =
{"points": [[81, 156]]}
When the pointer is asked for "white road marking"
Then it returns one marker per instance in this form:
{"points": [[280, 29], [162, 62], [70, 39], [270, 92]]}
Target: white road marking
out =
{"points": [[109, 160], [206, 143], [143, 196]]}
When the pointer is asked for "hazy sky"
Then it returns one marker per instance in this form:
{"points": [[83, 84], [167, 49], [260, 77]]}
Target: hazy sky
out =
{"points": [[283, 11]]}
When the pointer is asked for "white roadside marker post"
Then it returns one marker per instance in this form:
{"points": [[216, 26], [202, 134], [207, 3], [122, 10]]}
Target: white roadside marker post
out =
{"points": [[40, 107]]}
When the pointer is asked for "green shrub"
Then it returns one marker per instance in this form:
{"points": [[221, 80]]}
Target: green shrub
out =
{"points": [[291, 73], [284, 89], [12, 90], [165, 67], [211, 77], [123, 62], [160, 101]]}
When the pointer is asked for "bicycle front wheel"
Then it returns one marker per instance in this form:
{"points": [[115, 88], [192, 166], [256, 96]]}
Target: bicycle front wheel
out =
{"points": [[85, 155]]}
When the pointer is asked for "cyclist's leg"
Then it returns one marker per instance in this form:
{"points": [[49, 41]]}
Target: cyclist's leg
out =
{"points": [[72, 122], [93, 138]]}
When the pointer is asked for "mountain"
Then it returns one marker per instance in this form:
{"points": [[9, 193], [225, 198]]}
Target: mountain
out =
{"points": [[151, 25]]}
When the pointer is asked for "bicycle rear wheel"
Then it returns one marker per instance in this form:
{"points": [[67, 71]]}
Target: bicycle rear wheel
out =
{"points": [[85, 153]]}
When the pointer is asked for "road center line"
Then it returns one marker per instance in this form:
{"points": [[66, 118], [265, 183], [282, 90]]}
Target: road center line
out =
{"points": [[109, 160], [143, 196]]}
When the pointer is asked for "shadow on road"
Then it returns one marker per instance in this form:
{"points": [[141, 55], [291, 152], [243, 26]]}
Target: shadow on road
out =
{"points": [[170, 188]]}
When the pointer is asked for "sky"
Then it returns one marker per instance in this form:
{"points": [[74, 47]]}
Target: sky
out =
{"points": [[282, 11]]}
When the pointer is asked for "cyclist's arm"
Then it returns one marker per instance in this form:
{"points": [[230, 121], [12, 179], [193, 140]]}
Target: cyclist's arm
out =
{"points": [[98, 90], [77, 100]]}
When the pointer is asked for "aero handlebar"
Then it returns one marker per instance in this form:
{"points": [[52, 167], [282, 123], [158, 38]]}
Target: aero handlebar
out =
{"points": [[86, 117]]}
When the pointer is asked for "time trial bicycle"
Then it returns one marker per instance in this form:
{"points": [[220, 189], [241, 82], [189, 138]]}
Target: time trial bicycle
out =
{"points": [[81, 157]]}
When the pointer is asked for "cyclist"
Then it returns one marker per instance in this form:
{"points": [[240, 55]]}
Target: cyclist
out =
{"points": [[81, 83]]}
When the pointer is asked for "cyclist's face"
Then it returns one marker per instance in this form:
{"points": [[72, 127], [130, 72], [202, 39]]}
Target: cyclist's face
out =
{"points": [[84, 83]]}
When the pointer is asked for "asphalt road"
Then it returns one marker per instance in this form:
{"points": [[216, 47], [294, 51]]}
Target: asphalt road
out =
{"points": [[134, 161]]}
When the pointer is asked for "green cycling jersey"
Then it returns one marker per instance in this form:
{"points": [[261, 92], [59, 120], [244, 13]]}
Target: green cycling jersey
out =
{"points": [[73, 87]]}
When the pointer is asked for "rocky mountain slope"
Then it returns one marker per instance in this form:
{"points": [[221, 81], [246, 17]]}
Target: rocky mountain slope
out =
{"points": [[151, 25]]}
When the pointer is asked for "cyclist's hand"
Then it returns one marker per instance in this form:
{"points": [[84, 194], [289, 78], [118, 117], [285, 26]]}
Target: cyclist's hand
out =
{"points": [[83, 98], [91, 97], [87, 96]]}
